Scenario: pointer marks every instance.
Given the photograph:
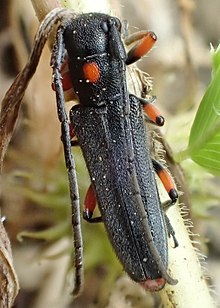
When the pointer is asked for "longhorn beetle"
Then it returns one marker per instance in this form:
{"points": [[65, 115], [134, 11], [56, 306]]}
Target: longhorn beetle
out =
{"points": [[88, 55]]}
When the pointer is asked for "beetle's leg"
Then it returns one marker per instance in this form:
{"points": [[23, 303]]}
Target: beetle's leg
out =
{"points": [[89, 206], [90, 198], [152, 111], [74, 141], [171, 231], [56, 62], [167, 180], [169, 185], [146, 40]]}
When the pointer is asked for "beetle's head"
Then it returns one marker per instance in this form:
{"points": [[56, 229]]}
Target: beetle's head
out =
{"points": [[94, 34]]}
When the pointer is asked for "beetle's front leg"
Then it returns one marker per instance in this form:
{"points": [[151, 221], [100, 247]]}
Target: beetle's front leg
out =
{"points": [[145, 41]]}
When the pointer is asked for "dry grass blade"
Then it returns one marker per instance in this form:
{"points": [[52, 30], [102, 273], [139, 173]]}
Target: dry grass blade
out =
{"points": [[8, 280], [12, 101]]}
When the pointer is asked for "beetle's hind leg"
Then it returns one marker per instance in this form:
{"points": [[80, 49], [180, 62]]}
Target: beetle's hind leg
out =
{"points": [[167, 180], [170, 229], [89, 206], [90, 198], [169, 185]]}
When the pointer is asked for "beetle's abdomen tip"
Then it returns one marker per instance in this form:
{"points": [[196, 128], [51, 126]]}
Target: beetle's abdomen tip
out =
{"points": [[153, 285]]}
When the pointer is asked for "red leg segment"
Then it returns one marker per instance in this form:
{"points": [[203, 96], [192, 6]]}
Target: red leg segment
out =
{"points": [[146, 40], [167, 181], [152, 111], [89, 206]]}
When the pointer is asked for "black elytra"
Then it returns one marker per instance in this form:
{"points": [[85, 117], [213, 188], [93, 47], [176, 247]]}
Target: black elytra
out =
{"points": [[110, 130], [109, 126]]}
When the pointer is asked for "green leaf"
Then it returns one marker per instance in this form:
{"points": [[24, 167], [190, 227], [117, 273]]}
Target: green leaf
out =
{"points": [[204, 140], [51, 234], [215, 59]]}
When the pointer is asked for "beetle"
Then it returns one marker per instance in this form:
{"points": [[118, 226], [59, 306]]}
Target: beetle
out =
{"points": [[109, 126]]}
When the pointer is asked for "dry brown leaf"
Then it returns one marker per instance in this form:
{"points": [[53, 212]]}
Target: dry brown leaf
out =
{"points": [[9, 286]]}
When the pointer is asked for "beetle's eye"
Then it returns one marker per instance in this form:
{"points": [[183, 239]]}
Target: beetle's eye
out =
{"points": [[118, 24], [104, 26], [113, 21]]}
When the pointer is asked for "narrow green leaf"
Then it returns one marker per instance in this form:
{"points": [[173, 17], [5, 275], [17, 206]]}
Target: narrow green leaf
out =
{"points": [[215, 59], [204, 140], [51, 234]]}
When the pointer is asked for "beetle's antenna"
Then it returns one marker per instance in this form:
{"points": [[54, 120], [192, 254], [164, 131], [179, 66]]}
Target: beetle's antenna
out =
{"points": [[56, 62]]}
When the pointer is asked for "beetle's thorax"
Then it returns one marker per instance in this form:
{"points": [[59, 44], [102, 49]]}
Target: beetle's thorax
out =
{"points": [[96, 61]]}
